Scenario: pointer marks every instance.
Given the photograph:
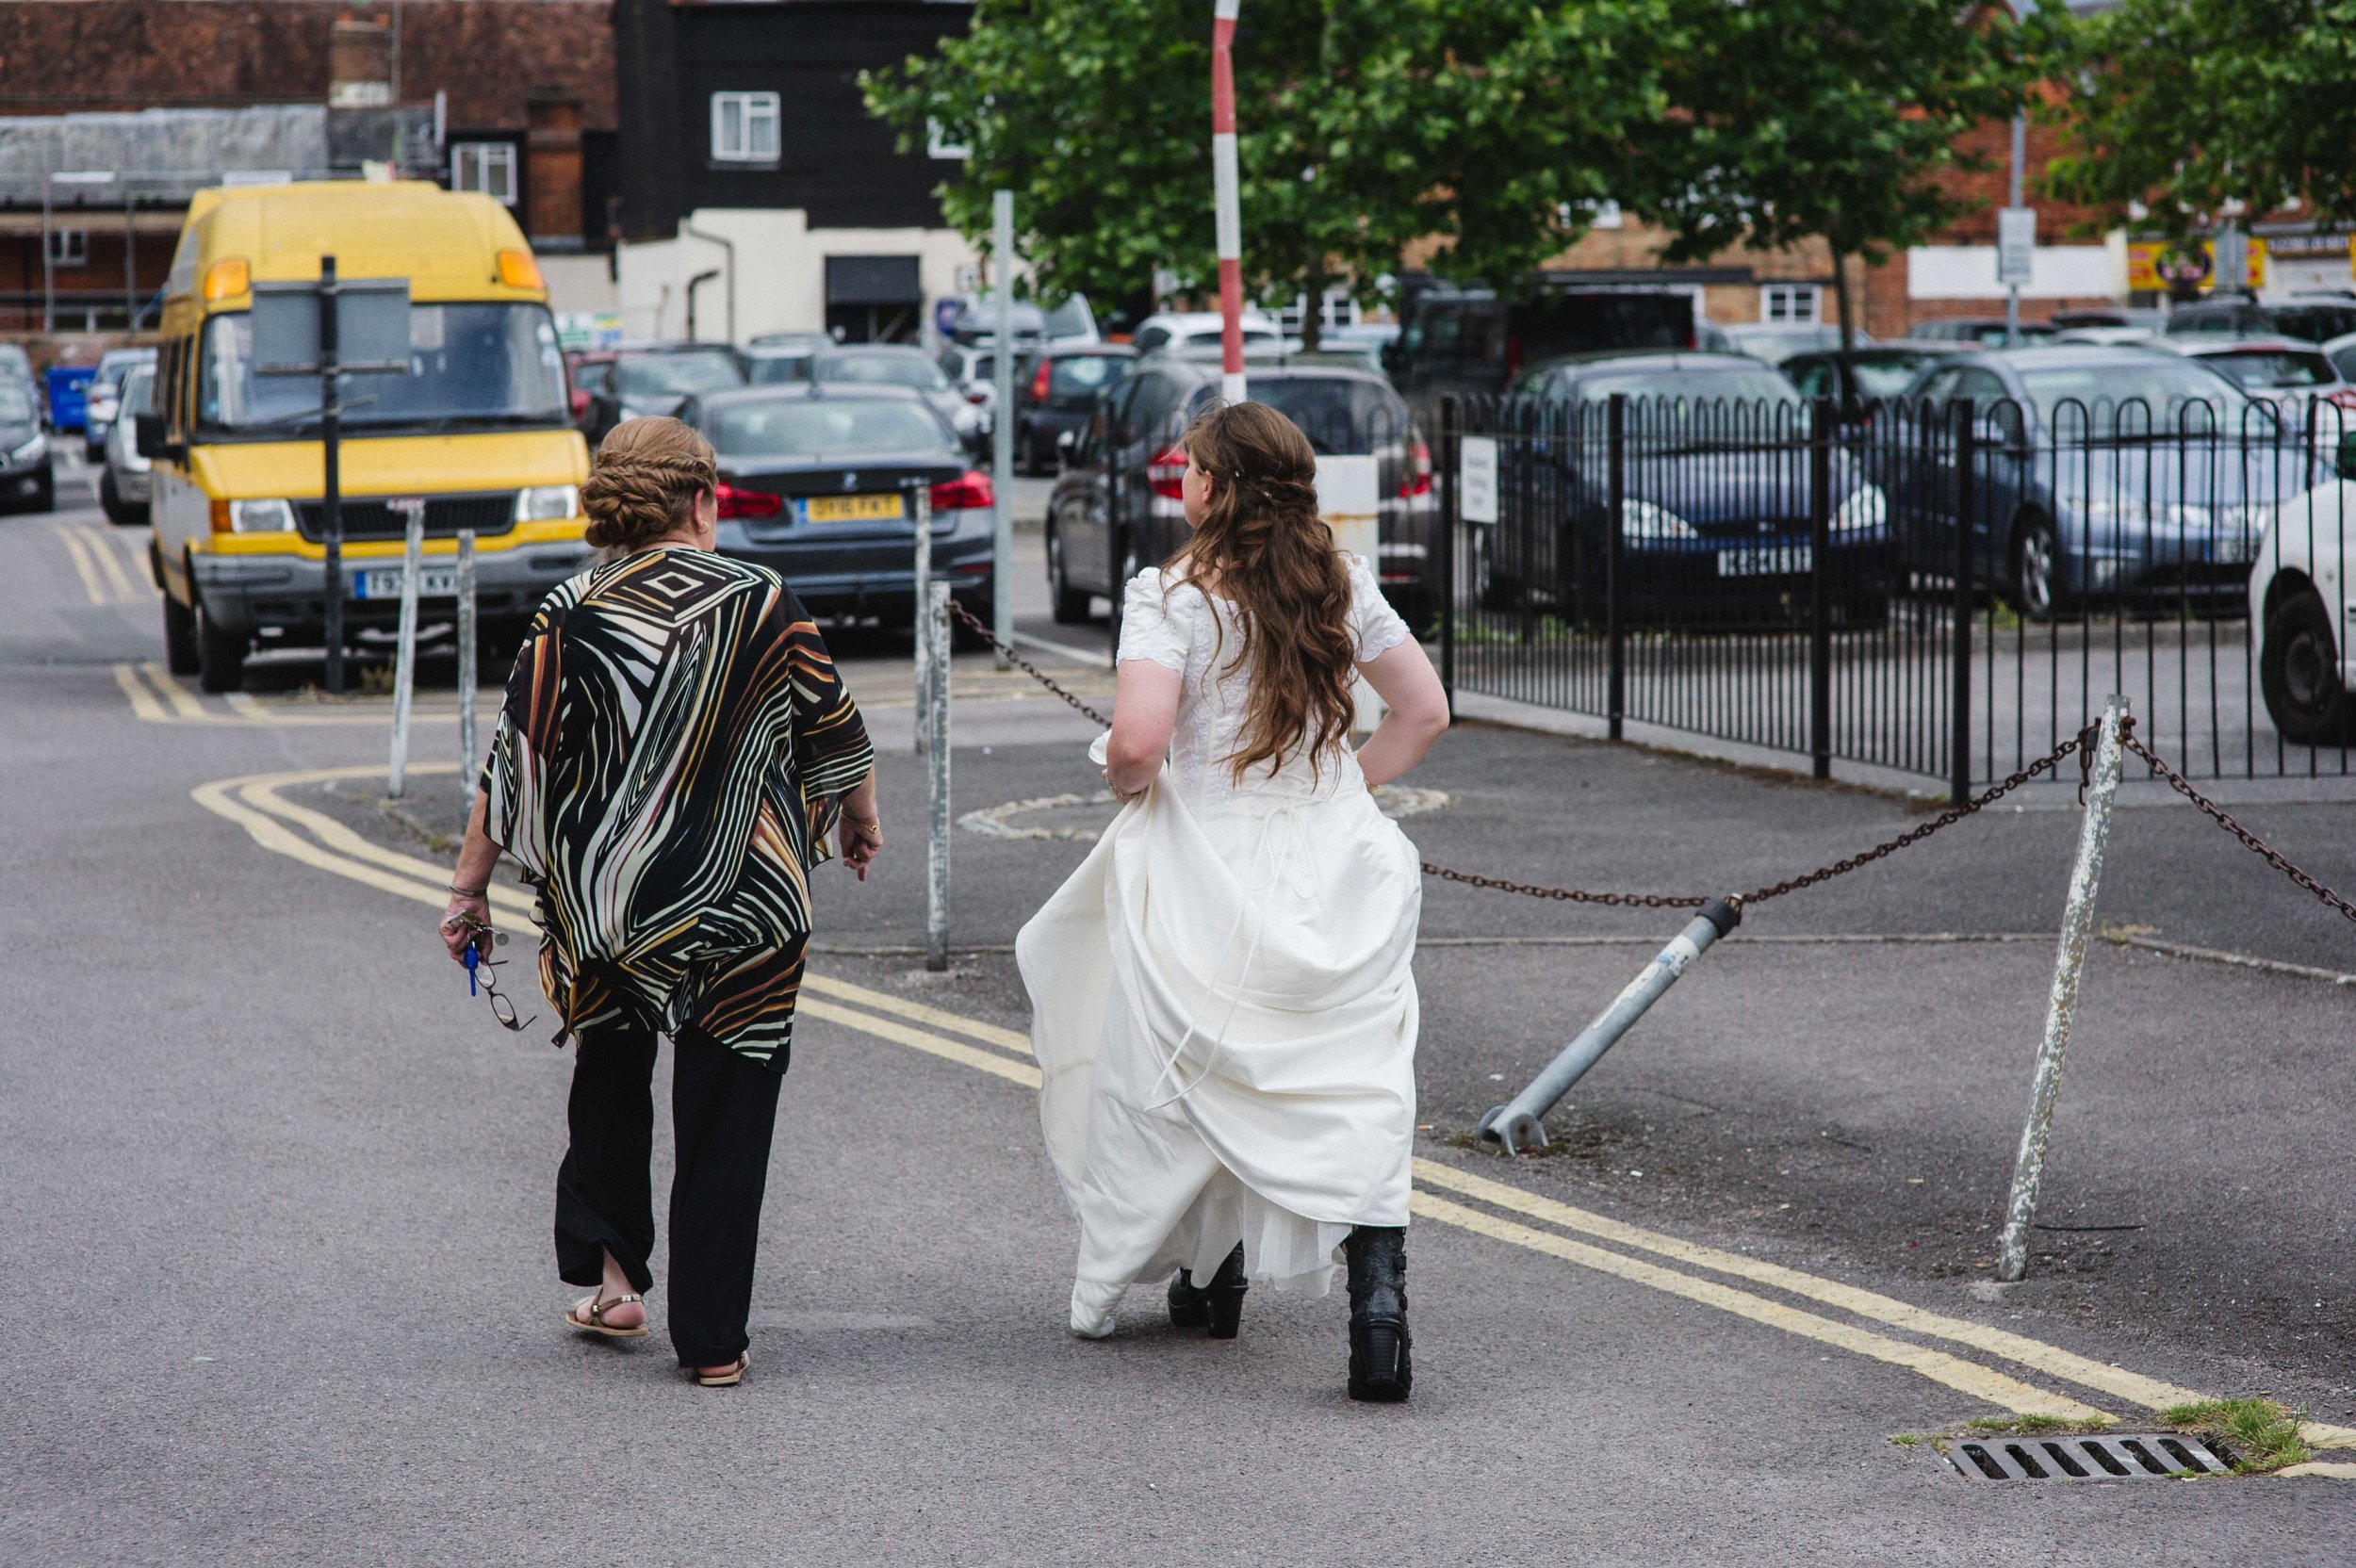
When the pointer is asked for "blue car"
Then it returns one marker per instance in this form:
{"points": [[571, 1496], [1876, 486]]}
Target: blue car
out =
{"points": [[2101, 474], [1719, 493]]}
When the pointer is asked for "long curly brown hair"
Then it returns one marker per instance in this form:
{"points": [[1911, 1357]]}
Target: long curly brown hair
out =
{"points": [[1263, 547]]}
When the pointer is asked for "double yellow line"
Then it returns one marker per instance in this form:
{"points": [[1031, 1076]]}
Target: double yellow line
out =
{"points": [[1868, 1324], [98, 560]]}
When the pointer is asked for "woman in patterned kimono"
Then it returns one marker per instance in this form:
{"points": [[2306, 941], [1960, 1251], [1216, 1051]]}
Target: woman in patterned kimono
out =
{"points": [[1223, 1009], [674, 753]]}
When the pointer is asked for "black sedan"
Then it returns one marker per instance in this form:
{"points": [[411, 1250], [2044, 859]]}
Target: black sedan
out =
{"points": [[1715, 526], [654, 380], [1055, 390], [819, 483], [26, 477]]}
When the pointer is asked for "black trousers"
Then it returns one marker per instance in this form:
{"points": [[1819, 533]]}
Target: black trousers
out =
{"points": [[724, 1108]]}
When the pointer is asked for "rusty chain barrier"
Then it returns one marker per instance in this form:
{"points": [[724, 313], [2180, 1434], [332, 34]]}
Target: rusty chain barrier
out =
{"points": [[2080, 744]]}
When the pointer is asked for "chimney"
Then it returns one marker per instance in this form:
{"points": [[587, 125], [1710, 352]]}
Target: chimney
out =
{"points": [[359, 65], [552, 173]]}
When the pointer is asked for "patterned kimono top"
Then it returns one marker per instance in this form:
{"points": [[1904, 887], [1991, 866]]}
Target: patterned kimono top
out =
{"points": [[668, 767]]}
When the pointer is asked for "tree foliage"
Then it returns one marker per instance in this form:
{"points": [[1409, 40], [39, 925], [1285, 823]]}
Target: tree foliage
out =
{"points": [[2190, 105]]}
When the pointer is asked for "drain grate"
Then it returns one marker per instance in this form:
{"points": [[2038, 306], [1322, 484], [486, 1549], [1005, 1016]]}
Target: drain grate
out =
{"points": [[2145, 1456]]}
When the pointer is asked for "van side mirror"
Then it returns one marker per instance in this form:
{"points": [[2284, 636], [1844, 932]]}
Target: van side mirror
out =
{"points": [[147, 435]]}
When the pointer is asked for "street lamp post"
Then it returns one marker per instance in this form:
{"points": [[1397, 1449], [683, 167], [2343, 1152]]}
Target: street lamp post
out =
{"points": [[1227, 206]]}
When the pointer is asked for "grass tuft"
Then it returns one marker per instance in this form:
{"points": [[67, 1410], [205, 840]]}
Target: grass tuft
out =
{"points": [[2028, 1426], [2261, 1434]]}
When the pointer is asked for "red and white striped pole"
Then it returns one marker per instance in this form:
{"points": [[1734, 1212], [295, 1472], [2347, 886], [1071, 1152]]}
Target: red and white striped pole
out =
{"points": [[1226, 205]]}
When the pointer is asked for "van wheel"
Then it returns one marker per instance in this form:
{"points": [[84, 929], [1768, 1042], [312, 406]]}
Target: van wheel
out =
{"points": [[180, 653], [1070, 604], [219, 654], [2298, 673]]}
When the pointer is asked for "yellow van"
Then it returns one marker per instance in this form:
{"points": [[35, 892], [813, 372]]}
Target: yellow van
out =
{"points": [[479, 428]]}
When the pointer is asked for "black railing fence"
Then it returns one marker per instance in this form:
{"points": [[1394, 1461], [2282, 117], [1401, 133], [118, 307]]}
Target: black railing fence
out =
{"points": [[1944, 589]]}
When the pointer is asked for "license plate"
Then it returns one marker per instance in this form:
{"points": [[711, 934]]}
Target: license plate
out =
{"points": [[432, 583], [1767, 561], [852, 509]]}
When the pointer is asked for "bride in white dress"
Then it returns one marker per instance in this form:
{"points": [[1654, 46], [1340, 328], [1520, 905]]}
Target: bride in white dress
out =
{"points": [[1222, 1003]]}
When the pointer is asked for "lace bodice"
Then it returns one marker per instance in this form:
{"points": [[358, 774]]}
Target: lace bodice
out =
{"points": [[1179, 627]]}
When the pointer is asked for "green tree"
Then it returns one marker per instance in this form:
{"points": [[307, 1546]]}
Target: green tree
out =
{"points": [[1831, 119], [1365, 126], [2191, 106]]}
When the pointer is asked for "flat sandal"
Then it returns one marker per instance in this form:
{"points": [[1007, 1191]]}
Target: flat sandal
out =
{"points": [[594, 1321], [729, 1378]]}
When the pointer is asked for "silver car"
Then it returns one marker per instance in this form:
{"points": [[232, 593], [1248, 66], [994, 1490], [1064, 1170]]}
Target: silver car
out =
{"points": [[123, 483], [102, 401]]}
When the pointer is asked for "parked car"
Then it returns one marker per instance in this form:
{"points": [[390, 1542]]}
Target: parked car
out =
{"points": [[16, 365], [2302, 608], [896, 365], [1055, 391], [100, 399], [2145, 319], [974, 371], [1867, 377], [973, 323], [1180, 328], [586, 374], [2279, 370], [2341, 351], [796, 342], [775, 364], [124, 481], [1987, 332], [2311, 319], [1455, 339], [815, 483], [1776, 342], [2111, 338], [1127, 461], [2122, 474], [1717, 525], [26, 478], [656, 379]]}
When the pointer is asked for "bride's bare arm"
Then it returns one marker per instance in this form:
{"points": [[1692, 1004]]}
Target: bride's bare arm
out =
{"points": [[1404, 678], [1145, 713]]}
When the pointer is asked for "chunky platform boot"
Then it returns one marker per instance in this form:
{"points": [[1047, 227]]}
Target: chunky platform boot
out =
{"points": [[1380, 1370], [1217, 1306]]}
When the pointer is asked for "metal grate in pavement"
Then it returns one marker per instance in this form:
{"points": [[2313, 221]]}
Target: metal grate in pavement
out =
{"points": [[2110, 1457]]}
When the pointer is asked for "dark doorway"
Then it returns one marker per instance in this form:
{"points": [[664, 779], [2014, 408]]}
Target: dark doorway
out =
{"points": [[874, 298]]}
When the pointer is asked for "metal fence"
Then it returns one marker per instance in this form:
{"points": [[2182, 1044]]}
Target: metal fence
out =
{"points": [[1942, 589]]}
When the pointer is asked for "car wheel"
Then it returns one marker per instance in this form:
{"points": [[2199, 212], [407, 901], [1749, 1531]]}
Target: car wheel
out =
{"points": [[219, 654], [1070, 604], [110, 501], [180, 652], [45, 498], [2298, 673], [2036, 581]]}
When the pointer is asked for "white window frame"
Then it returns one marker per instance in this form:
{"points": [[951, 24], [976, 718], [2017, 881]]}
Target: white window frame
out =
{"points": [[751, 112], [938, 145], [68, 246], [1338, 308], [1780, 304], [484, 159]]}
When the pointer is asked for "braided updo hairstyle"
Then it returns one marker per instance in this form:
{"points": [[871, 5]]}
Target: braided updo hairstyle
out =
{"points": [[1266, 549], [644, 482]]}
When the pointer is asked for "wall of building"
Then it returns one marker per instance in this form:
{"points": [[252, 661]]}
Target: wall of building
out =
{"points": [[782, 262]]}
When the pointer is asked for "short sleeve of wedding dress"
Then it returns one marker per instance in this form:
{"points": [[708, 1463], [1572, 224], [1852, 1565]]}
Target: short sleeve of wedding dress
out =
{"points": [[1374, 625], [1157, 621]]}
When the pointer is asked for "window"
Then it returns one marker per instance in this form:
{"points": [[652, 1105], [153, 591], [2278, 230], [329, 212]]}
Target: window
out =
{"points": [[744, 127], [488, 166], [1790, 303], [68, 246], [1337, 309], [938, 145]]}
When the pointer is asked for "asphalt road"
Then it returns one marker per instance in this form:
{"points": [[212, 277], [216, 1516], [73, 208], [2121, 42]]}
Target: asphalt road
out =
{"points": [[279, 1190]]}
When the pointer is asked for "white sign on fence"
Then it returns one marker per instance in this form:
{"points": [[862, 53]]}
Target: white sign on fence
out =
{"points": [[1477, 478], [2016, 245]]}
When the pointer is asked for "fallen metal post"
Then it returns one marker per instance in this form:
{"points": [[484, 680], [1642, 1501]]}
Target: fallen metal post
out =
{"points": [[936, 732], [920, 619], [469, 760], [2012, 1261], [1519, 1122], [405, 656]]}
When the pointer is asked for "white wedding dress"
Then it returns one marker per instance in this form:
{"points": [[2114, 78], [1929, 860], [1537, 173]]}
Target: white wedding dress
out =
{"points": [[1222, 1004]]}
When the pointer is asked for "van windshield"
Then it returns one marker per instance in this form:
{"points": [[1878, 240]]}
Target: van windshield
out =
{"points": [[475, 366]]}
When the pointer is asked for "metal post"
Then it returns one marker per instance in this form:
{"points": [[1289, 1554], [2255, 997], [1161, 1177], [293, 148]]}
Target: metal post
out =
{"points": [[331, 488], [937, 838], [48, 259], [1520, 1121], [1967, 509], [1116, 541], [1002, 428], [921, 623], [1226, 206], [2012, 290], [1451, 430], [405, 644], [1616, 544], [1819, 592], [2077, 919], [469, 760], [130, 267]]}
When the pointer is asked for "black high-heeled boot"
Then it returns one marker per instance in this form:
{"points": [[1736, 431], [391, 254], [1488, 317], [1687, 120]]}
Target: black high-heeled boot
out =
{"points": [[1380, 1370], [1217, 1306]]}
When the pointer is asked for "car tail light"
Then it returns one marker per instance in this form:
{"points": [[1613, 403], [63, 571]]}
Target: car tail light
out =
{"points": [[747, 503], [970, 493], [580, 402], [1418, 480], [976, 396], [1513, 357], [1039, 383], [2343, 398], [1167, 473]]}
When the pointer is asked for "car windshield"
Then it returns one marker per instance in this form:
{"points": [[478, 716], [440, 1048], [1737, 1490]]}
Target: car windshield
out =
{"points": [[16, 408], [911, 369], [2137, 396], [676, 375], [770, 369], [1082, 375], [1340, 416], [1732, 383], [1887, 375], [2272, 367], [805, 427], [468, 365]]}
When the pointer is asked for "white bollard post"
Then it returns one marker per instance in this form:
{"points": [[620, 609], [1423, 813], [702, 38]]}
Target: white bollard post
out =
{"points": [[919, 624], [406, 656], [936, 728], [1001, 425], [2012, 1260], [469, 760]]}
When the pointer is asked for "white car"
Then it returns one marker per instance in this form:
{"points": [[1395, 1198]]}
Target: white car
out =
{"points": [[1193, 329], [2303, 609]]}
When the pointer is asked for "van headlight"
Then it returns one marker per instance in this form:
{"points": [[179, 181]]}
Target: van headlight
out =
{"points": [[547, 504], [272, 517], [30, 451]]}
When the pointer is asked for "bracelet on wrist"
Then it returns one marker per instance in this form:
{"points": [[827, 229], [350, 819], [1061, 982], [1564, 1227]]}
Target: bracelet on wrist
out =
{"points": [[470, 892]]}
